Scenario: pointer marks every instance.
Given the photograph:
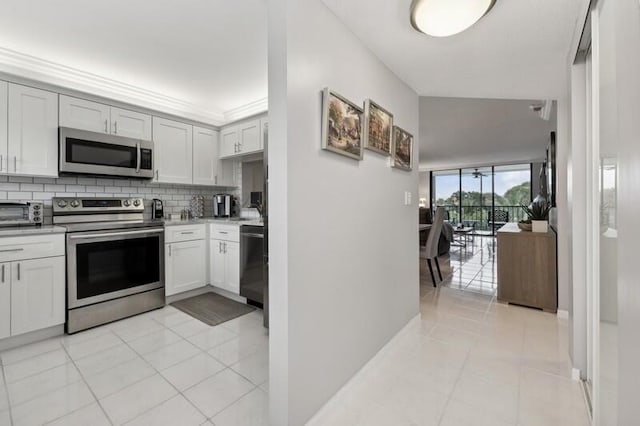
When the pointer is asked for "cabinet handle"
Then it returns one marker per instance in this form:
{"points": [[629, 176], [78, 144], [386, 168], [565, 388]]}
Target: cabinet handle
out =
{"points": [[106, 126], [219, 246], [18, 272], [115, 127], [157, 174], [169, 250], [225, 246], [1, 162], [215, 179], [15, 163], [2, 273], [10, 250], [187, 233]]}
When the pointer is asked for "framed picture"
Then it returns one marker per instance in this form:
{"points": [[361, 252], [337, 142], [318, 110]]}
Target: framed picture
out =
{"points": [[402, 156], [378, 125], [341, 125]]}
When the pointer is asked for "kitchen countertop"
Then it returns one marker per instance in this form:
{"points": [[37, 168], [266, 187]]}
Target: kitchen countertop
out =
{"points": [[15, 231], [206, 220]]}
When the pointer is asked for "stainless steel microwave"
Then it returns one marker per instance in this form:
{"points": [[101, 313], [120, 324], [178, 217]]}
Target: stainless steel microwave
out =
{"points": [[84, 152]]}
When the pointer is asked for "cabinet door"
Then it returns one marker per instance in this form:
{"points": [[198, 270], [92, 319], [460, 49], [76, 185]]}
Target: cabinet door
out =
{"points": [[232, 266], [185, 266], [229, 142], [82, 114], [5, 300], [217, 263], [130, 124], [205, 156], [173, 148], [37, 294], [33, 131], [4, 101], [250, 135]]}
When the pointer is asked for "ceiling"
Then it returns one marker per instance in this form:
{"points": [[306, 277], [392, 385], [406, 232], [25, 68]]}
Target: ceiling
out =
{"points": [[208, 56], [517, 51], [464, 132]]}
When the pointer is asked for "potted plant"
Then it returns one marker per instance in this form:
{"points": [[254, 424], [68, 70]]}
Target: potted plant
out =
{"points": [[538, 214]]}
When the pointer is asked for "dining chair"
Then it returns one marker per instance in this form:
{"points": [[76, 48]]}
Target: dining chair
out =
{"points": [[431, 248]]}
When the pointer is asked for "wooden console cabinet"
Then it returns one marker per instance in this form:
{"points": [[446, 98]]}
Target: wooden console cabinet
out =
{"points": [[527, 272]]}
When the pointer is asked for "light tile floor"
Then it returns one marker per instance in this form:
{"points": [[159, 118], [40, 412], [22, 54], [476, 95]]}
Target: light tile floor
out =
{"points": [[158, 368], [471, 268], [466, 361]]}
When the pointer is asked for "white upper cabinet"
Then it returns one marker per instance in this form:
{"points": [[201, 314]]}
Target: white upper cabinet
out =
{"points": [[96, 117], [264, 131], [205, 156], [85, 115], [229, 142], [250, 136], [32, 131], [130, 124], [243, 138], [4, 102], [173, 151]]}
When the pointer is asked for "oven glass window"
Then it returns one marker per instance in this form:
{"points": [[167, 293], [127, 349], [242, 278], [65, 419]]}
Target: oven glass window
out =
{"points": [[108, 266], [102, 154]]}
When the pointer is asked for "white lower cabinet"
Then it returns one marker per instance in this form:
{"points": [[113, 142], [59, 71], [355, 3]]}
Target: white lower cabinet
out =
{"points": [[224, 257], [5, 300], [32, 283], [185, 261], [37, 294]]}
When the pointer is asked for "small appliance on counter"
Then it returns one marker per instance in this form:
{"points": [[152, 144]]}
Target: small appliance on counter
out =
{"points": [[223, 205], [197, 206], [17, 213], [157, 209]]}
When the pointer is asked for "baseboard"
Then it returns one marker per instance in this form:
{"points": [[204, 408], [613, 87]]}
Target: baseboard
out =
{"points": [[563, 314], [575, 374], [370, 365], [187, 294], [228, 294], [33, 337]]}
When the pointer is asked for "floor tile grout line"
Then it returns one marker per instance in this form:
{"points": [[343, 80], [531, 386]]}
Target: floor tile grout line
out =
{"points": [[96, 400], [6, 389]]}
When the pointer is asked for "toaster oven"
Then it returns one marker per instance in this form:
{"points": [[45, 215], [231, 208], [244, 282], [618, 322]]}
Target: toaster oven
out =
{"points": [[14, 213]]}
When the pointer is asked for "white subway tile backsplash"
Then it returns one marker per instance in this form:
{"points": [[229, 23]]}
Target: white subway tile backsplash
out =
{"points": [[31, 187], [75, 188], [104, 182], [112, 189], [95, 189], [19, 195], [9, 186], [3, 195], [67, 180], [20, 179], [55, 188], [44, 180], [86, 181], [43, 195]]}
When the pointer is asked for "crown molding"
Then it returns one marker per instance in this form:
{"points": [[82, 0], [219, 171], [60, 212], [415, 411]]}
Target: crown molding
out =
{"points": [[253, 108], [34, 68]]}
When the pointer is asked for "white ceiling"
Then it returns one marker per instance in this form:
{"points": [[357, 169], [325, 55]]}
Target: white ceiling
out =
{"points": [[517, 51], [459, 132], [209, 54]]}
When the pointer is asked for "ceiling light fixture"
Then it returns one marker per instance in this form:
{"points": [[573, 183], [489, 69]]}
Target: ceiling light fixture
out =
{"points": [[442, 18]]}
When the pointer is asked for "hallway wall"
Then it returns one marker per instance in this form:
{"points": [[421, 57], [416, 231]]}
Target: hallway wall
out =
{"points": [[344, 258]]}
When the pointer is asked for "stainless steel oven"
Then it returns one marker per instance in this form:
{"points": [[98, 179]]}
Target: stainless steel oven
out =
{"points": [[85, 152], [115, 259], [108, 265]]}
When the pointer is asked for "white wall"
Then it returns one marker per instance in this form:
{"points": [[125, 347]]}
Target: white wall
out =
{"points": [[562, 214], [344, 259]]}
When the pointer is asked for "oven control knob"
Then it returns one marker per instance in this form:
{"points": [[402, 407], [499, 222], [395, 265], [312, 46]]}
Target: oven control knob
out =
{"points": [[126, 203], [136, 203], [75, 203], [36, 219], [62, 203]]}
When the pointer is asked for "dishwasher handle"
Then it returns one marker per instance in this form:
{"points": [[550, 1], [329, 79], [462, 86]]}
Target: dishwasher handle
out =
{"points": [[252, 235]]}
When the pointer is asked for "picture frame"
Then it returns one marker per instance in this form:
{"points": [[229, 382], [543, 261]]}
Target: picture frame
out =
{"points": [[402, 152], [378, 128], [341, 125]]}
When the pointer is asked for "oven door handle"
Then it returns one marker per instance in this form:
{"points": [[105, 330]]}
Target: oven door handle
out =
{"points": [[138, 155], [116, 234]]}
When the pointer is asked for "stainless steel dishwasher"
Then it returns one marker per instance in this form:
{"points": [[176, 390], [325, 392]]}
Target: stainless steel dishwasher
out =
{"points": [[252, 261]]}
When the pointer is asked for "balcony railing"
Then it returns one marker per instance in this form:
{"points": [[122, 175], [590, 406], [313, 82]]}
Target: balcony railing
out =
{"points": [[477, 217]]}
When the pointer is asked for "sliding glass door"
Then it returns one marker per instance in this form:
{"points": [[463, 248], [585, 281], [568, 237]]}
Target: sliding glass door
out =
{"points": [[483, 198]]}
